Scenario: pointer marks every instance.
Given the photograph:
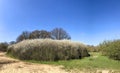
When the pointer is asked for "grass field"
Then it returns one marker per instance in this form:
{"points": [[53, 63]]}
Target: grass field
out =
{"points": [[95, 62]]}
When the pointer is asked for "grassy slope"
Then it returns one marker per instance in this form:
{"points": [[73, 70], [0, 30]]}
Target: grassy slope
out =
{"points": [[96, 61]]}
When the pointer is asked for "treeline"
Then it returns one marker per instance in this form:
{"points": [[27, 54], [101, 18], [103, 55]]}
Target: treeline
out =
{"points": [[57, 34]]}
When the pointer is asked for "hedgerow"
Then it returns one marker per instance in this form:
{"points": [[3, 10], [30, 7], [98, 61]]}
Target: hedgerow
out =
{"points": [[48, 50]]}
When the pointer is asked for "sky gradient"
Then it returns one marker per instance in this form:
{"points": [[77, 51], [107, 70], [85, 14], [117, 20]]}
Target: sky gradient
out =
{"points": [[87, 21]]}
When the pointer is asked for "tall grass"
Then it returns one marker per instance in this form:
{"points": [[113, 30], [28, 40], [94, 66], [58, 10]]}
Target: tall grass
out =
{"points": [[48, 50]]}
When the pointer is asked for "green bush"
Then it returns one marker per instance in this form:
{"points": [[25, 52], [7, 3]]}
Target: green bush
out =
{"points": [[3, 47], [47, 50], [111, 49]]}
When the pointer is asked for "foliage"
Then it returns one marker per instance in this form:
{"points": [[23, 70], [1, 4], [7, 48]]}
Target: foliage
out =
{"points": [[3, 46], [111, 49], [48, 50], [59, 34]]}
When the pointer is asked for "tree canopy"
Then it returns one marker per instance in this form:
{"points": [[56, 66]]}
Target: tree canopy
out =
{"points": [[57, 34]]}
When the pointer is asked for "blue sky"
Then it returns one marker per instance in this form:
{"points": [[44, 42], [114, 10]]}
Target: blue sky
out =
{"points": [[87, 21]]}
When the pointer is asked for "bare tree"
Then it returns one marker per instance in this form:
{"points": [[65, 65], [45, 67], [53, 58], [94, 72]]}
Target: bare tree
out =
{"points": [[40, 34], [25, 35], [59, 34]]}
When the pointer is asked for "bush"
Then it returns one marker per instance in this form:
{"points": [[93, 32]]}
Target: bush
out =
{"points": [[111, 49], [47, 50], [3, 47], [91, 48]]}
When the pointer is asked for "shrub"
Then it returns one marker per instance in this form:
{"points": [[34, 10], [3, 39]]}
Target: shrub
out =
{"points": [[111, 49], [91, 48], [3, 46], [47, 50]]}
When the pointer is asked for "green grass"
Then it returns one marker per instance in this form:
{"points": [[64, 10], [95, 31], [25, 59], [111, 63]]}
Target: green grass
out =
{"points": [[96, 61]]}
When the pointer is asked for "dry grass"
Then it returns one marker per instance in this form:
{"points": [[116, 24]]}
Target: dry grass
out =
{"points": [[40, 42], [48, 50]]}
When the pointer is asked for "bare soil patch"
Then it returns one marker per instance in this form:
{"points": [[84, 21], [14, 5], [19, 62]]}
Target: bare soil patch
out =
{"points": [[8, 65]]}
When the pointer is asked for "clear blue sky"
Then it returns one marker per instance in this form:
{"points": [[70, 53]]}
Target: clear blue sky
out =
{"points": [[87, 21]]}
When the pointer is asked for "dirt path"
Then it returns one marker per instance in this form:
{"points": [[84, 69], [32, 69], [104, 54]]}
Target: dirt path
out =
{"points": [[8, 65]]}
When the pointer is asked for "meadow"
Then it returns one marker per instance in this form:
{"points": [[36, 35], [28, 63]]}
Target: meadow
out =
{"points": [[94, 64]]}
